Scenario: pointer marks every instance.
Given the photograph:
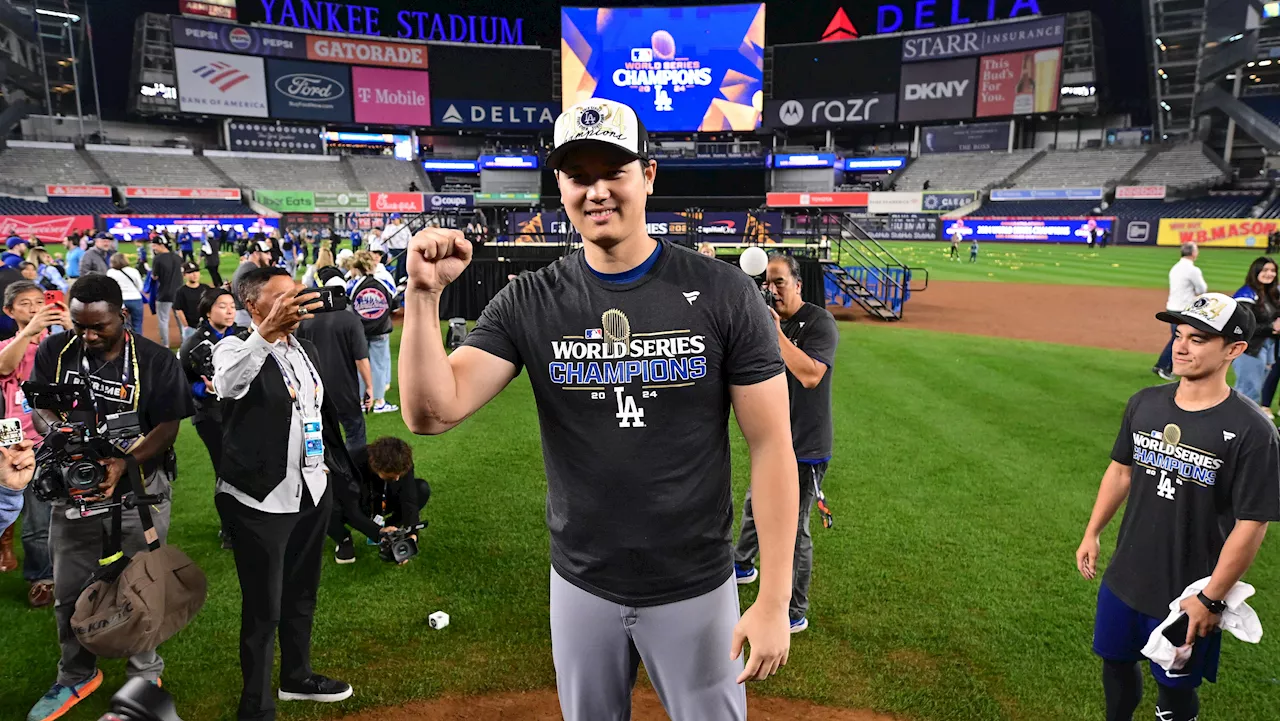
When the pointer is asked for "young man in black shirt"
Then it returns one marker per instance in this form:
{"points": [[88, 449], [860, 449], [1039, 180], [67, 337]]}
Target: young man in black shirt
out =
{"points": [[343, 363], [1199, 468], [125, 373], [636, 350], [186, 302], [166, 268], [808, 337]]}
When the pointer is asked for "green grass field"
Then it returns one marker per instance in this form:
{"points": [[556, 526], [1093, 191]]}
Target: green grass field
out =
{"points": [[963, 475]]}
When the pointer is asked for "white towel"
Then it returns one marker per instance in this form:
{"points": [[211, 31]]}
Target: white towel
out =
{"points": [[1239, 620]]}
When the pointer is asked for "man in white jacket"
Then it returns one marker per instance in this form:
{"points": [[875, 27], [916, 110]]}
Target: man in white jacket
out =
{"points": [[1186, 281], [1199, 469]]}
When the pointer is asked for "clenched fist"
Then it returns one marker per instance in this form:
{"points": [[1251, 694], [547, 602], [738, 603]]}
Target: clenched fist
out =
{"points": [[437, 256]]}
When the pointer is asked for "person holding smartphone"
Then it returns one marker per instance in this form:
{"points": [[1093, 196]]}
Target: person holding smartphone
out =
{"points": [[1198, 467]]}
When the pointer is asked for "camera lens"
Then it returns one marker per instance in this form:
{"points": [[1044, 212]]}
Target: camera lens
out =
{"points": [[84, 476]]}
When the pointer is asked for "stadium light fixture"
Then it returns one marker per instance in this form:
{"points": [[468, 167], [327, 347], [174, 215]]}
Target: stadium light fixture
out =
{"points": [[1264, 63], [1251, 64], [1232, 76], [54, 13]]}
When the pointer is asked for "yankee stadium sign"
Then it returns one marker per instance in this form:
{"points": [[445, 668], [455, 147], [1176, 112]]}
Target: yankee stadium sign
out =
{"points": [[334, 17]]}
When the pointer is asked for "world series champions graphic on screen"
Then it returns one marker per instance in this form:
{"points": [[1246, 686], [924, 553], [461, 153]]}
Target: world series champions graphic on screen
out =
{"points": [[682, 69]]}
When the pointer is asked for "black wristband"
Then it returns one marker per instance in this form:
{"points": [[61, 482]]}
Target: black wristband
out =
{"points": [[1215, 607]]}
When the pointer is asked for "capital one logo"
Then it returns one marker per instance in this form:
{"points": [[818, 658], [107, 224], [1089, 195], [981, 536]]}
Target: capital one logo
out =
{"points": [[936, 91], [791, 112], [221, 75]]}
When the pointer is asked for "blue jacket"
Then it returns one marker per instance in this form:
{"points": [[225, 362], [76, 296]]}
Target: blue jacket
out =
{"points": [[10, 506]]}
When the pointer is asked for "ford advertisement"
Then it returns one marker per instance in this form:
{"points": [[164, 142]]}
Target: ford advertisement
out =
{"points": [[309, 91]]}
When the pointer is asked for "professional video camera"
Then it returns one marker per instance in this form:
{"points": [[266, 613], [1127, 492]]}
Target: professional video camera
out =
{"points": [[69, 462], [399, 545], [770, 299], [141, 700]]}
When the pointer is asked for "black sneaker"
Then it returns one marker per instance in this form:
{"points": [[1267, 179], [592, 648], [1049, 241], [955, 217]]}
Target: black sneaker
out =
{"points": [[225, 539], [315, 688], [345, 552]]}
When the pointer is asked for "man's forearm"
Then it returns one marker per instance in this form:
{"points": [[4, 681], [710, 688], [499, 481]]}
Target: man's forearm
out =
{"points": [[799, 363], [428, 389], [12, 354], [365, 369], [775, 503], [1111, 495], [1236, 557], [156, 442]]}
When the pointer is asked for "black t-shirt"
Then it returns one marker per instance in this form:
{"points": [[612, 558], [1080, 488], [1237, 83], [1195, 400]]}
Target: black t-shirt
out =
{"points": [[632, 386], [373, 304], [157, 387], [187, 300], [1185, 497], [167, 270], [339, 340], [813, 330]]}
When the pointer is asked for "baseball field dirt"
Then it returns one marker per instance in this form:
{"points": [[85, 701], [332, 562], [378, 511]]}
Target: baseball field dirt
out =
{"points": [[1097, 316], [543, 706]]}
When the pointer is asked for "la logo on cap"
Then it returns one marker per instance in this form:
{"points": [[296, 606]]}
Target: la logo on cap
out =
{"points": [[589, 118]]}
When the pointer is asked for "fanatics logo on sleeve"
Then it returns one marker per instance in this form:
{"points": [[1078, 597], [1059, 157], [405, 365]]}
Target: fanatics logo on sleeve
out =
{"points": [[691, 295], [1227, 435]]}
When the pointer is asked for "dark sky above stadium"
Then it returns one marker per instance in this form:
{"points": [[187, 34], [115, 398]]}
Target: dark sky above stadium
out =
{"points": [[789, 21]]}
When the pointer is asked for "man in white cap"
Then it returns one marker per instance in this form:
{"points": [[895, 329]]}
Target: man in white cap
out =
{"points": [[636, 349], [1198, 468]]}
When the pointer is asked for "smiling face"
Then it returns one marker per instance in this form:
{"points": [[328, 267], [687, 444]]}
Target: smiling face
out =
{"points": [[1197, 354], [604, 192], [1267, 275]]}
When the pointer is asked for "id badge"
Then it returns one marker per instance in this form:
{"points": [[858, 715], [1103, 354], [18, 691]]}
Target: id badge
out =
{"points": [[313, 442]]}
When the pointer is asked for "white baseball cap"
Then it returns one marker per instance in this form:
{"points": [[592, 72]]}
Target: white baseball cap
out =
{"points": [[599, 121], [1217, 314]]}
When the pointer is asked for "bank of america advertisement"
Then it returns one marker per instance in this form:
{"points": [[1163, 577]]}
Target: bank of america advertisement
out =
{"points": [[682, 69], [220, 83]]}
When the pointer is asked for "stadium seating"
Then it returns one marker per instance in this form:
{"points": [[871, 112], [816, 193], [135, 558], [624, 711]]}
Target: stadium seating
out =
{"points": [[291, 172], [1036, 208], [33, 165], [156, 167], [1080, 168], [1181, 167], [378, 173], [57, 206], [1223, 206], [184, 206], [962, 171]]}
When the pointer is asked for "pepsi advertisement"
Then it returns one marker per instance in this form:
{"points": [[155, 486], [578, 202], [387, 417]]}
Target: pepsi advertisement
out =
{"points": [[681, 69], [227, 38], [1027, 230], [309, 91]]}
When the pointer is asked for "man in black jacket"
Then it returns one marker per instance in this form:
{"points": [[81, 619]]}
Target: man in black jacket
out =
{"points": [[276, 504], [217, 308]]}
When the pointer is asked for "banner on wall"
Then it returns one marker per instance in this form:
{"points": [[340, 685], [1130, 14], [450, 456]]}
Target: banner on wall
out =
{"points": [[945, 201], [965, 138], [994, 38], [1019, 83], [220, 83], [1027, 230], [48, 228], [900, 226], [205, 35], [78, 191], [886, 203], [267, 137], [1141, 192], [1047, 194], [132, 227], [530, 227], [350, 51], [132, 191], [938, 91], [816, 200], [306, 201], [314, 222], [1137, 231], [1217, 232], [391, 97], [309, 91]]}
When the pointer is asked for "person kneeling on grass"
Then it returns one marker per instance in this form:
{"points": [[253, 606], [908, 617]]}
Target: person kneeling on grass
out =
{"points": [[1199, 469], [390, 495]]}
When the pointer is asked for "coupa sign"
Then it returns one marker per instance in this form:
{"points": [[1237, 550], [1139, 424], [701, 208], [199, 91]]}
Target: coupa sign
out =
{"points": [[336, 17], [925, 14]]}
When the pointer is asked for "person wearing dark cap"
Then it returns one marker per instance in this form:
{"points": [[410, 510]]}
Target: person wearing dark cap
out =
{"points": [[186, 302], [166, 268], [1198, 468], [634, 415], [16, 253]]}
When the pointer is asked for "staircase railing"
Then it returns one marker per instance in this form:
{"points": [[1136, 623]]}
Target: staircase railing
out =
{"points": [[886, 277]]}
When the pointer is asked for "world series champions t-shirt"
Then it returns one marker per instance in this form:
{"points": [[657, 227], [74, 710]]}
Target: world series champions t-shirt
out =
{"points": [[1194, 473], [813, 330], [632, 384]]}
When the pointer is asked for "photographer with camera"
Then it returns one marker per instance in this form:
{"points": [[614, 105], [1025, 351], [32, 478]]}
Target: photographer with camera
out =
{"points": [[390, 493], [24, 302], [808, 336], [217, 308], [139, 395], [280, 438]]}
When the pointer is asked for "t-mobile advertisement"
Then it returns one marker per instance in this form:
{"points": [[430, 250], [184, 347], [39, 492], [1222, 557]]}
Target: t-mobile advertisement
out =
{"points": [[391, 97], [1019, 83], [1028, 230]]}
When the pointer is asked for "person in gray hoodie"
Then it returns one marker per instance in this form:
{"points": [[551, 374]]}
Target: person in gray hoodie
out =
{"points": [[96, 259]]}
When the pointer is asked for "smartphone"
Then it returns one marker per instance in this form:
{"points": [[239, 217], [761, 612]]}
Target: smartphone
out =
{"points": [[1176, 632], [332, 299], [54, 296]]}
